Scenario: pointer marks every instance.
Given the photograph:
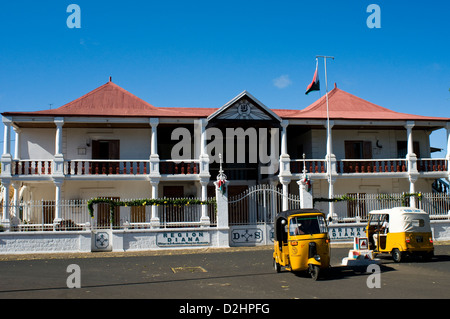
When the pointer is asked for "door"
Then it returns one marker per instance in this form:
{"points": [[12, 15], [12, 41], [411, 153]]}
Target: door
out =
{"points": [[106, 150], [48, 211], [103, 215], [358, 149]]}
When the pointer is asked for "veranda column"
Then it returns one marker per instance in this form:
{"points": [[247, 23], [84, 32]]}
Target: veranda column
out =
{"points": [[59, 157], [6, 182], [58, 185], [154, 221], [154, 157], [6, 156], [204, 220], [6, 172], [285, 182], [204, 157], [17, 154], [285, 160]]}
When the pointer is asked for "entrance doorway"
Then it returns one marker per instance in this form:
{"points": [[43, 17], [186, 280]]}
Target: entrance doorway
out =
{"points": [[106, 150], [103, 214]]}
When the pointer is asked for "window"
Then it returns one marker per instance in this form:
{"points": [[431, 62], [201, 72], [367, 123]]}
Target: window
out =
{"points": [[418, 222], [106, 149], [402, 149], [358, 149]]}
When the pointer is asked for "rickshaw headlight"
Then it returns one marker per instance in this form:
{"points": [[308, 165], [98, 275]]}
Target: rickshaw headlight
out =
{"points": [[317, 257]]}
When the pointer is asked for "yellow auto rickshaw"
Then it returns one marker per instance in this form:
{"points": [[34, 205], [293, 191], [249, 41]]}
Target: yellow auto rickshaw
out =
{"points": [[301, 241], [400, 231]]}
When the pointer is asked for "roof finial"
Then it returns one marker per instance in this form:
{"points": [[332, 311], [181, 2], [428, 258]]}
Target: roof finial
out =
{"points": [[335, 85], [110, 79]]}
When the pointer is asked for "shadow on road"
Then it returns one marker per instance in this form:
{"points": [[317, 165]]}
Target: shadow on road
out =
{"points": [[343, 272]]}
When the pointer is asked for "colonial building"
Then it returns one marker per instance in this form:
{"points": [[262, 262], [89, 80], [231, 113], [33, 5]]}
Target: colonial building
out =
{"points": [[110, 143]]}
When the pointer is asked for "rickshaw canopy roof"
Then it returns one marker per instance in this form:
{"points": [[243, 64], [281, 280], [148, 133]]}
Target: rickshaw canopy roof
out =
{"points": [[285, 215], [405, 219]]}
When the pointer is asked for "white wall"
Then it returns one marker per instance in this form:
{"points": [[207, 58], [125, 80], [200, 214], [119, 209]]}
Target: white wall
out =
{"points": [[134, 143], [37, 143]]}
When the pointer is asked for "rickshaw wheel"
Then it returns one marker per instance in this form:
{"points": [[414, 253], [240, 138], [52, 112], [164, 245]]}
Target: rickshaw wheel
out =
{"points": [[397, 255], [276, 266], [314, 271]]}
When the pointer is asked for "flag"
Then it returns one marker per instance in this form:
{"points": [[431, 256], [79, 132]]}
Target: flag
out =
{"points": [[315, 84]]}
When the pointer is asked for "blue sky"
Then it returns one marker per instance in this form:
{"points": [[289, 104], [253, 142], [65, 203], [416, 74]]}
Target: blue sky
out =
{"points": [[203, 53]]}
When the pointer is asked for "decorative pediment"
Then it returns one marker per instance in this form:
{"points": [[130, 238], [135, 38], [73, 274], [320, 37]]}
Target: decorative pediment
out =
{"points": [[244, 107]]}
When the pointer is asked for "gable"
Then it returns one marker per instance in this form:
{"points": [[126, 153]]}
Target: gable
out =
{"points": [[244, 107]]}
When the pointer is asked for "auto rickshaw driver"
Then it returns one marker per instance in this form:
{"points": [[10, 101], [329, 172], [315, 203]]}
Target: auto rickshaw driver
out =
{"points": [[384, 229]]}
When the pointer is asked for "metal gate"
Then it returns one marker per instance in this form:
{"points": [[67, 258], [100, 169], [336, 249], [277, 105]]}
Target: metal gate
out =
{"points": [[251, 214]]}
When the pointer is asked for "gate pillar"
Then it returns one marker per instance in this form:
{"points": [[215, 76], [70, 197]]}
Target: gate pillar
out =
{"points": [[306, 199], [222, 213]]}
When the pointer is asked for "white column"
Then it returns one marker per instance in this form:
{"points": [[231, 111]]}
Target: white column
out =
{"points": [[154, 157], [204, 220], [7, 136], [58, 169], [204, 157], [284, 125], [154, 221], [285, 182], [6, 169], [59, 122], [306, 199], [58, 186], [154, 143], [409, 126], [17, 154], [5, 216], [285, 160]]}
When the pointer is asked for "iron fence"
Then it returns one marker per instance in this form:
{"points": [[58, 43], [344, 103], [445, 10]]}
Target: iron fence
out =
{"points": [[40, 215], [356, 207]]}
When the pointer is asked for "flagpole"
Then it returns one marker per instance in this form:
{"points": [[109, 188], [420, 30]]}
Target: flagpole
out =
{"points": [[329, 173]]}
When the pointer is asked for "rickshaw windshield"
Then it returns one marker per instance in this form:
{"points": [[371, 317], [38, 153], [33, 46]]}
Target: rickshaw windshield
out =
{"points": [[302, 225]]}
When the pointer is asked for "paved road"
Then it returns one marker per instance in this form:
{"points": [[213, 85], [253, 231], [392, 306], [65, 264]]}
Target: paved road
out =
{"points": [[217, 274]]}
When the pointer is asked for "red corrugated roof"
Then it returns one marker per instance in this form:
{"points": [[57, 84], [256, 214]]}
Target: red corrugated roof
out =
{"points": [[343, 105], [107, 100], [112, 100]]}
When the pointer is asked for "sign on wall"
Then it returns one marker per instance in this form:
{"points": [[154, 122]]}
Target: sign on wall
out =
{"points": [[183, 238], [347, 232], [101, 240]]}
